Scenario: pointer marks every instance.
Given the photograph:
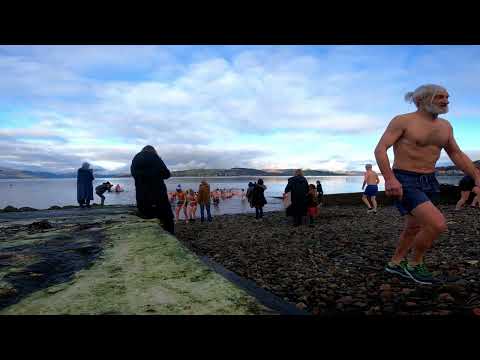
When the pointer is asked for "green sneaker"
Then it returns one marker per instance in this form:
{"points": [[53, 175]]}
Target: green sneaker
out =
{"points": [[420, 274], [398, 269]]}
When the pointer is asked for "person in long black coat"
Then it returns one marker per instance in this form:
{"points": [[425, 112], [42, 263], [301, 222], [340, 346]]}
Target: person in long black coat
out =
{"points": [[319, 193], [85, 185], [149, 171], [298, 187], [258, 198]]}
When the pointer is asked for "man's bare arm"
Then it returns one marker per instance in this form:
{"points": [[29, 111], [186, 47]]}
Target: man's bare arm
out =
{"points": [[393, 132], [460, 159]]}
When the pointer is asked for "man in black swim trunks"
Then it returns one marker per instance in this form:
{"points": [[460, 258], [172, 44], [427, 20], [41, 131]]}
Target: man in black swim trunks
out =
{"points": [[417, 140]]}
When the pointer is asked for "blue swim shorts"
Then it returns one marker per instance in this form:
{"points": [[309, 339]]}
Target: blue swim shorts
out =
{"points": [[417, 189], [371, 190]]}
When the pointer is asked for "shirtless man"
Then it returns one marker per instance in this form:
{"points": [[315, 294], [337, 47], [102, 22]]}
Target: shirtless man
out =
{"points": [[417, 140], [371, 180]]}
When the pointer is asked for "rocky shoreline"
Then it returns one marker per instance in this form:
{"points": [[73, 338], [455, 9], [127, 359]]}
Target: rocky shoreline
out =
{"points": [[336, 267], [332, 269]]}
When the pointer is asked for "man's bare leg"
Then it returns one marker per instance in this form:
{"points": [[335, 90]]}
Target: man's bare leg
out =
{"points": [[407, 239], [373, 199], [432, 224], [365, 200], [463, 199], [177, 213]]}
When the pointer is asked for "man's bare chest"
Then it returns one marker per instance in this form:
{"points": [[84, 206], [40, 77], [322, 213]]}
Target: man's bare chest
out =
{"points": [[425, 136]]}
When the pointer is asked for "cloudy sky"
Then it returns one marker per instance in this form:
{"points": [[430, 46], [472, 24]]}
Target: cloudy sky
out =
{"points": [[317, 107]]}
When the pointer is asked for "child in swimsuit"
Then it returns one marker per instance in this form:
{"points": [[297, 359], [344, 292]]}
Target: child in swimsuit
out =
{"points": [[192, 200], [312, 203], [181, 203]]}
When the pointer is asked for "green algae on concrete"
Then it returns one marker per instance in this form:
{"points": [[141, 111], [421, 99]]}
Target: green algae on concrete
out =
{"points": [[143, 270]]}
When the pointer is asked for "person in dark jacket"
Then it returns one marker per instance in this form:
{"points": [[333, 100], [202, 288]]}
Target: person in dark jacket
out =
{"points": [[85, 185], [101, 189], [250, 188], [258, 198], [298, 187], [319, 193], [204, 200], [149, 171]]}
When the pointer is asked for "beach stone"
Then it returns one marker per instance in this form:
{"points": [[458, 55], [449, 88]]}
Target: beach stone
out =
{"points": [[406, 291], [40, 225], [346, 300], [10, 209], [301, 306], [360, 304], [446, 297], [388, 309], [386, 295], [443, 312], [385, 287], [455, 288], [7, 291]]}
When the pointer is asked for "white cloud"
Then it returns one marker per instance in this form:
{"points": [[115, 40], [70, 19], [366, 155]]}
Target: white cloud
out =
{"points": [[186, 104]]}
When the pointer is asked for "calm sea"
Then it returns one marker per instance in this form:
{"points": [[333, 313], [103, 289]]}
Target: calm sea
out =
{"points": [[43, 193]]}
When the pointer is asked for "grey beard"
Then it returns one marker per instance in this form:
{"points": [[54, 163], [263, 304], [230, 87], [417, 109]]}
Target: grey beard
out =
{"points": [[433, 109]]}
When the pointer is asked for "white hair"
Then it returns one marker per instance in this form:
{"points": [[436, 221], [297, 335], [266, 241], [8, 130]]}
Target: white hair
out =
{"points": [[423, 92]]}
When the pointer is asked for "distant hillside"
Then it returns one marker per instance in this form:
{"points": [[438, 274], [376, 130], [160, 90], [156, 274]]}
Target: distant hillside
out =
{"points": [[14, 174], [452, 169], [256, 172], [6, 173]]}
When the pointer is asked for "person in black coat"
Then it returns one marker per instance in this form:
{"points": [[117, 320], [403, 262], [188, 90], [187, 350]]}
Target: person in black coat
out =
{"points": [[149, 171], [319, 193], [298, 187], [258, 198], [85, 185]]}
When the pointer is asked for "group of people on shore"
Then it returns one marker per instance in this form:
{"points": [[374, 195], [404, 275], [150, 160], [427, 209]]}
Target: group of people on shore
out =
{"points": [[85, 187], [302, 199]]}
